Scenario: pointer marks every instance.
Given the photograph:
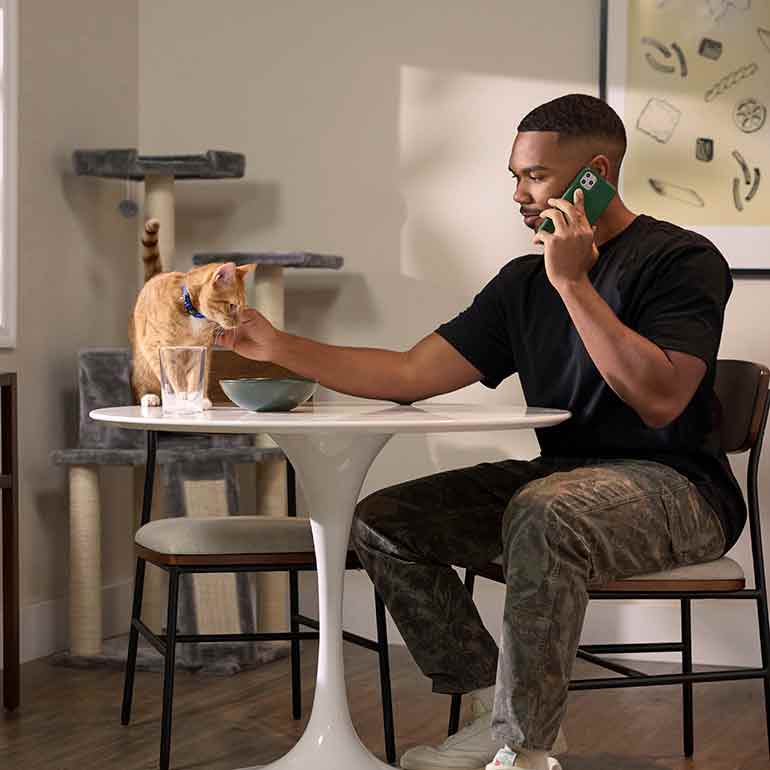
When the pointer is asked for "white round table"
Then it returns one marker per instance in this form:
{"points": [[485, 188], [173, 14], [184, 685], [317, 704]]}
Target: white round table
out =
{"points": [[332, 446]]}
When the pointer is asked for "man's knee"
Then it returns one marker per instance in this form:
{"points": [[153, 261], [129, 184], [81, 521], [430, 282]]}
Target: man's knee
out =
{"points": [[541, 528], [380, 522], [364, 518], [528, 511]]}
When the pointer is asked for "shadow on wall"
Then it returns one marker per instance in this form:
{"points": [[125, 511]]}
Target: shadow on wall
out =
{"points": [[93, 205], [213, 216], [310, 299], [455, 132]]}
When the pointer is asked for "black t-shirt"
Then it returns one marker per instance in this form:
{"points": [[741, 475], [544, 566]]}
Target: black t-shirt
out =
{"points": [[666, 283]]}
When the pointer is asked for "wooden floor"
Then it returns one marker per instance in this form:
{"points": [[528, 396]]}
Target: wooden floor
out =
{"points": [[69, 720]]}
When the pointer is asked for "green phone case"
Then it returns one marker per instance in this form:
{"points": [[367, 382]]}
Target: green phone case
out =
{"points": [[597, 194]]}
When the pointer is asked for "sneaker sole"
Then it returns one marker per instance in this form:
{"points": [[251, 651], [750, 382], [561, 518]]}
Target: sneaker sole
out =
{"points": [[553, 764]]}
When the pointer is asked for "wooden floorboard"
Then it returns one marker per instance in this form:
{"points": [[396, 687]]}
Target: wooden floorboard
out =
{"points": [[69, 719]]}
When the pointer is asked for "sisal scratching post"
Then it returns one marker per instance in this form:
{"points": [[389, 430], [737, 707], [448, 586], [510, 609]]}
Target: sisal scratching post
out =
{"points": [[85, 561], [159, 204], [212, 603], [215, 595], [267, 296], [267, 293]]}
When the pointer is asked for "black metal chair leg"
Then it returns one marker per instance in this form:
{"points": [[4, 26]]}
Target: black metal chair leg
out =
{"points": [[454, 714], [387, 700], [168, 668], [296, 678], [133, 643], [766, 683], [764, 645], [687, 702]]}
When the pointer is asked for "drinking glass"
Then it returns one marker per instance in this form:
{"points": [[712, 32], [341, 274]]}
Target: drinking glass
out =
{"points": [[182, 379]]}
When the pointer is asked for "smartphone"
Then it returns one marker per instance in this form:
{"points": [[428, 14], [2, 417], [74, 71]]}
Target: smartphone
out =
{"points": [[597, 194]]}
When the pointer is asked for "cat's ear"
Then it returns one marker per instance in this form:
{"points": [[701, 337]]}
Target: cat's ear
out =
{"points": [[244, 270], [225, 274]]}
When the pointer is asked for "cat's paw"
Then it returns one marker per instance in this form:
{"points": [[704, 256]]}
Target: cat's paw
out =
{"points": [[150, 400], [206, 405]]}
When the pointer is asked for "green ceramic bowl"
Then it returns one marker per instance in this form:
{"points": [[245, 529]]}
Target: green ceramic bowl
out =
{"points": [[268, 394]]}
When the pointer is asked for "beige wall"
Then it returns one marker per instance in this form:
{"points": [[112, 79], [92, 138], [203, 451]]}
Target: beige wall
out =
{"points": [[77, 275], [377, 131]]}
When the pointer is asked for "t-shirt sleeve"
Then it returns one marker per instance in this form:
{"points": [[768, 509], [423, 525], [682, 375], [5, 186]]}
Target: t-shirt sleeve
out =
{"points": [[480, 334], [683, 306]]}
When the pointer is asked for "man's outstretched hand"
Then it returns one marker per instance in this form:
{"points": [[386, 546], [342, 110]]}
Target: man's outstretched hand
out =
{"points": [[253, 338]]}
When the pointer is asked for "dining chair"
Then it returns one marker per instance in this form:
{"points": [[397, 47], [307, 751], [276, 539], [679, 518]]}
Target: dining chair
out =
{"points": [[235, 544], [742, 390]]}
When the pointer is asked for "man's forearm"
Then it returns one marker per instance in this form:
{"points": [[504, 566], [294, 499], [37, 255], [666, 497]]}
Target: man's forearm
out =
{"points": [[634, 367], [364, 372]]}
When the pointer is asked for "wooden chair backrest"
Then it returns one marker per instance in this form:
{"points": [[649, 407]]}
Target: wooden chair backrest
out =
{"points": [[742, 390]]}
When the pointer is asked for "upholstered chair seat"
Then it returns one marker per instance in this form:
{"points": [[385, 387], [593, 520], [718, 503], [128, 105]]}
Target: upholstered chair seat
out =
{"points": [[232, 535], [724, 569]]}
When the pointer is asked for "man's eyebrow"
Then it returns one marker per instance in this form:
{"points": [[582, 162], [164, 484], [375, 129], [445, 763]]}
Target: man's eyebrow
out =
{"points": [[529, 169]]}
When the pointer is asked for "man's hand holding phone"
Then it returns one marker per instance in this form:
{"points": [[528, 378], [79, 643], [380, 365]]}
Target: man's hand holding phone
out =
{"points": [[570, 251]]}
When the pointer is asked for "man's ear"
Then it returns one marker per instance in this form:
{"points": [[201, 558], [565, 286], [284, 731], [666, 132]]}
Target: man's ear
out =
{"points": [[601, 165]]}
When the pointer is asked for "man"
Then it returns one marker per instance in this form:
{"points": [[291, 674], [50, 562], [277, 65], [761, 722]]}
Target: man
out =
{"points": [[619, 323]]}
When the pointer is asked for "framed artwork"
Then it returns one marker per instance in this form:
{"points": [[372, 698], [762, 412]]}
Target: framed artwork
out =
{"points": [[691, 81], [9, 36]]}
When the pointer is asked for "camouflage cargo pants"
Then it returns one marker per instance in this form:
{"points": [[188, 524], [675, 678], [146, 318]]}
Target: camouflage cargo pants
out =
{"points": [[560, 525]]}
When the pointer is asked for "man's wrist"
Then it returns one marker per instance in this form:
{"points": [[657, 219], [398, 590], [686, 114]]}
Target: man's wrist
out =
{"points": [[277, 347], [573, 288]]}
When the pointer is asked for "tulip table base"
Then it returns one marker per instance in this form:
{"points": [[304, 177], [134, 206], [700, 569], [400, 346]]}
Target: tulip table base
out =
{"points": [[331, 469]]}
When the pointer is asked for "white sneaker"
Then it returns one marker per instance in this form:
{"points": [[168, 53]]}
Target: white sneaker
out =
{"points": [[507, 758], [560, 744], [468, 749], [471, 748]]}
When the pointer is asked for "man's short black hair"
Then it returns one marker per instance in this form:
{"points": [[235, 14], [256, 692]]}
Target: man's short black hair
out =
{"points": [[577, 116]]}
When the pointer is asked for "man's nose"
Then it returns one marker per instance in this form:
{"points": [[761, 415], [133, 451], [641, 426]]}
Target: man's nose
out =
{"points": [[521, 195]]}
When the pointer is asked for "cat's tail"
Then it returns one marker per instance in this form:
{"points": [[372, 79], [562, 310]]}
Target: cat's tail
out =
{"points": [[150, 251]]}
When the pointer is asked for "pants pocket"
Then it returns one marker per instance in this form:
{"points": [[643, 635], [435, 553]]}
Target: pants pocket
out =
{"points": [[696, 532]]}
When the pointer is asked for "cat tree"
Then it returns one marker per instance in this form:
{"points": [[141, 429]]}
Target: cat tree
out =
{"points": [[265, 292]]}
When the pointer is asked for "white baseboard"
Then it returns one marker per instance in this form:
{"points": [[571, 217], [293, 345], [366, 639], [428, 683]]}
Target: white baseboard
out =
{"points": [[45, 625]]}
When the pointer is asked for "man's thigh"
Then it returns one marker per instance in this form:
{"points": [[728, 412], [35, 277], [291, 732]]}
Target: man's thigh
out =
{"points": [[629, 516], [453, 517]]}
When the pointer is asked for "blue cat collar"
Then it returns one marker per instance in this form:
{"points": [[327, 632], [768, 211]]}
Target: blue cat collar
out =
{"points": [[188, 305]]}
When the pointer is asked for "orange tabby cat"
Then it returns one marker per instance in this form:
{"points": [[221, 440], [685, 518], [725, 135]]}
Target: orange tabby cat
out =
{"points": [[179, 309]]}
